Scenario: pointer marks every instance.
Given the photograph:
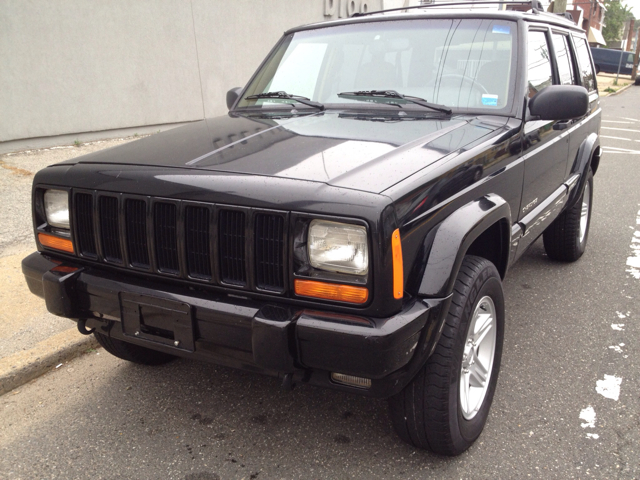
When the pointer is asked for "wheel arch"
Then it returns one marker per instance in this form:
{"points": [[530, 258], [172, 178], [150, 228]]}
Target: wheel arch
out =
{"points": [[588, 156], [482, 228]]}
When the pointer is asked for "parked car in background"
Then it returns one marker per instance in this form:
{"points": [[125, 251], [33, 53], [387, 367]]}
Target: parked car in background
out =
{"points": [[607, 60]]}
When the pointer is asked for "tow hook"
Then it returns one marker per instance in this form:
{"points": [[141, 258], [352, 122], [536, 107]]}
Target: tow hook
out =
{"points": [[83, 329]]}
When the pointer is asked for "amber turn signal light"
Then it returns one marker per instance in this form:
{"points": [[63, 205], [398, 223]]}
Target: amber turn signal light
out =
{"points": [[331, 291], [55, 242], [398, 273]]}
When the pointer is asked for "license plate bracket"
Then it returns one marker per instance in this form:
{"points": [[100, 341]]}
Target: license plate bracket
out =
{"points": [[158, 320]]}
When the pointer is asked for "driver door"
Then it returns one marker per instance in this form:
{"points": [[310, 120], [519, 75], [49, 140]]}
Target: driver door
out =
{"points": [[545, 143]]}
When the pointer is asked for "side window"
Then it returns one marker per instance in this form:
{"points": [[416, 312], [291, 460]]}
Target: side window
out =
{"points": [[630, 59], [539, 73], [563, 59], [586, 70]]}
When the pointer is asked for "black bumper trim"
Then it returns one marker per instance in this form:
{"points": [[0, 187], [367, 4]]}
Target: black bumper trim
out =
{"points": [[236, 331]]}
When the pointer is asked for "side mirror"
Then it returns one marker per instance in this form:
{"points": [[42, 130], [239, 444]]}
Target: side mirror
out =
{"points": [[560, 102], [232, 96]]}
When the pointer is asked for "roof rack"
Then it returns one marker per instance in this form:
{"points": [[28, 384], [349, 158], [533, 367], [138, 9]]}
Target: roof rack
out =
{"points": [[535, 5], [566, 15]]}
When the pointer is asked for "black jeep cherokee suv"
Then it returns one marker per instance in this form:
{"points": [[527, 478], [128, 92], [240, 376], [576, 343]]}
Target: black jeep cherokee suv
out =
{"points": [[349, 222]]}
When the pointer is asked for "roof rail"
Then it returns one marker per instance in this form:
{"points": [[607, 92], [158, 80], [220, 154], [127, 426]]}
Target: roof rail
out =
{"points": [[535, 5], [566, 15]]}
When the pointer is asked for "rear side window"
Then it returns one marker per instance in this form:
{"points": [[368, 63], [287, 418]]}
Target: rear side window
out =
{"points": [[539, 73], [630, 59], [563, 59], [586, 70]]}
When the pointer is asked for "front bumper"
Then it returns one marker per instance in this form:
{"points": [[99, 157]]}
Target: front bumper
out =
{"points": [[236, 331]]}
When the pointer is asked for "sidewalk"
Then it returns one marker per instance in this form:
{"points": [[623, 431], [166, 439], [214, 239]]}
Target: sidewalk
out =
{"points": [[32, 341], [607, 85]]}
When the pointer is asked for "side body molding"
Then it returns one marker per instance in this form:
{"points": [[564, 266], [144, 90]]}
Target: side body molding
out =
{"points": [[589, 149], [453, 238]]}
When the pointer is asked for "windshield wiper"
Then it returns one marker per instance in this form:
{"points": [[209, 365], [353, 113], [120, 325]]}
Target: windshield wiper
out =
{"points": [[286, 96], [394, 94]]}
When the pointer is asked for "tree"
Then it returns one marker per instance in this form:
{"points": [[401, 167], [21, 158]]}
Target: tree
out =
{"points": [[617, 13]]}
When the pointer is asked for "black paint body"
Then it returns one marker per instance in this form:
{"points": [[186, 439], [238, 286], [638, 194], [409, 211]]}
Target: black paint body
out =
{"points": [[486, 185]]}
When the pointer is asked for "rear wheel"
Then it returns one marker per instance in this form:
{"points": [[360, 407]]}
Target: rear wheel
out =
{"points": [[566, 238], [445, 407], [131, 352]]}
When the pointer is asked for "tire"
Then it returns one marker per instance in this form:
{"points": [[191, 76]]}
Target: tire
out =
{"points": [[565, 240], [132, 353], [430, 412], [597, 69], [637, 82]]}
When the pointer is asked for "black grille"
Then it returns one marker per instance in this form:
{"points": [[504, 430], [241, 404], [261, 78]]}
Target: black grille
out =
{"points": [[197, 242], [151, 232], [232, 241], [165, 219], [84, 219], [110, 229], [269, 236], [135, 212]]}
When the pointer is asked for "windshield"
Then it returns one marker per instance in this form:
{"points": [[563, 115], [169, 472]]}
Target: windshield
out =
{"points": [[461, 63]]}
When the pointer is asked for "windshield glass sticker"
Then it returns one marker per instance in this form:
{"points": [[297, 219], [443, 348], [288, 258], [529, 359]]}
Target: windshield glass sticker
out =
{"points": [[489, 100], [504, 29]]}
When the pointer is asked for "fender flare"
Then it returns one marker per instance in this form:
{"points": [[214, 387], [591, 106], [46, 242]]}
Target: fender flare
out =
{"points": [[589, 149], [454, 237]]}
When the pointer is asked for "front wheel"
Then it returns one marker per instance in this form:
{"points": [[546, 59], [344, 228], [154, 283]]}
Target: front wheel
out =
{"points": [[445, 407]]}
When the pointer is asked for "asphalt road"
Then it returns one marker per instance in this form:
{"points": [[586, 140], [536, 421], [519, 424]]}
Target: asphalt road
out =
{"points": [[567, 404]]}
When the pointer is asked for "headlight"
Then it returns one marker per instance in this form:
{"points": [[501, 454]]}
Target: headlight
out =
{"points": [[338, 247], [56, 207]]}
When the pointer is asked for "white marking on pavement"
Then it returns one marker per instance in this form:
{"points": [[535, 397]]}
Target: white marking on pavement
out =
{"points": [[633, 262], [621, 129], [635, 120], [615, 121], [611, 152], [618, 326], [609, 387], [606, 147], [589, 416], [595, 436], [617, 348], [616, 138], [621, 315]]}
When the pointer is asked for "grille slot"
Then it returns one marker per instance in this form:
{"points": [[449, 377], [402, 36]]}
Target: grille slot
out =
{"points": [[269, 234], [232, 242], [135, 212], [84, 217], [165, 219], [110, 229], [197, 242]]}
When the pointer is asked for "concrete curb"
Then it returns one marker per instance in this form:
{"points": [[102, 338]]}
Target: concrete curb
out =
{"points": [[20, 368], [621, 90]]}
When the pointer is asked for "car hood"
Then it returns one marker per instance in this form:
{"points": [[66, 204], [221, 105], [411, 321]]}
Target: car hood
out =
{"points": [[365, 152]]}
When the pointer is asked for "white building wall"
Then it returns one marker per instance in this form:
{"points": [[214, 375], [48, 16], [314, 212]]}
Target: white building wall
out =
{"points": [[74, 66]]}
